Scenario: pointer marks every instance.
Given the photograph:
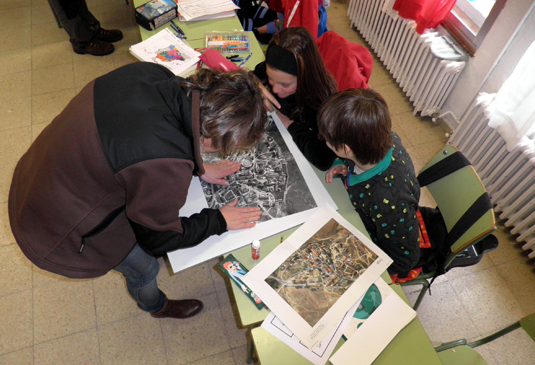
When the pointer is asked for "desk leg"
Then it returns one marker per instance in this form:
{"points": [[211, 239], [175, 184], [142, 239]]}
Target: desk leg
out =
{"points": [[250, 345]]}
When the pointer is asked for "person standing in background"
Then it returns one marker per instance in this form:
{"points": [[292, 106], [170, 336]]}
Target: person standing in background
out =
{"points": [[85, 33]]}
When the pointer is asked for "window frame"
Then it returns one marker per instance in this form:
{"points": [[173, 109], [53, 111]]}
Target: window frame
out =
{"points": [[464, 36]]}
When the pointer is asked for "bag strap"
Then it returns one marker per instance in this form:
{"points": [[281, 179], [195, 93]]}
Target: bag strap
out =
{"points": [[450, 164], [196, 130]]}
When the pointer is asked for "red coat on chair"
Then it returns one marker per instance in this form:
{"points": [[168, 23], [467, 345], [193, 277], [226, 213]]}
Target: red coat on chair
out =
{"points": [[305, 15], [349, 63]]}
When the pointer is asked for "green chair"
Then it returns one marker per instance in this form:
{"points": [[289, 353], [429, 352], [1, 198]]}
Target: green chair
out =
{"points": [[465, 207], [461, 352]]}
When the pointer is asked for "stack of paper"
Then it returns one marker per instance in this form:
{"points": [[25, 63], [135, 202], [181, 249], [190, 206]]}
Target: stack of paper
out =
{"points": [[324, 281], [166, 49], [195, 10]]}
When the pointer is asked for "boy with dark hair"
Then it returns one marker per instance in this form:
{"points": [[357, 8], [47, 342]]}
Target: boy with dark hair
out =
{"points": [[379, 173]]}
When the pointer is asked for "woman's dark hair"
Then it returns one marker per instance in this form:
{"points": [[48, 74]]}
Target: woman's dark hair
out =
{"points": [[358, 118], [232, 111], [314, 82]]}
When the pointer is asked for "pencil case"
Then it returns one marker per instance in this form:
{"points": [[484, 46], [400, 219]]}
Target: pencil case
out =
{"points": [[229, 42], [156, 13]]}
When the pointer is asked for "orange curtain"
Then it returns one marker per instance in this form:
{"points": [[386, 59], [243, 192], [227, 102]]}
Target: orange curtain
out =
{"points": [[426, 13]]}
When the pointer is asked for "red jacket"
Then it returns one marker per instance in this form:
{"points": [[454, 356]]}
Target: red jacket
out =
{"points": [[349, 63]]}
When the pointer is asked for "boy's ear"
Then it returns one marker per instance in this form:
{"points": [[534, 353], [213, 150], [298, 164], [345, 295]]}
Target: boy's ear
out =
{"points": [[347, 150]]}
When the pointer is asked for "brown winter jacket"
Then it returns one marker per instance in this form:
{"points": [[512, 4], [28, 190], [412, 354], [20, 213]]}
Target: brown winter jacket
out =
{"points": [[114, 167]]}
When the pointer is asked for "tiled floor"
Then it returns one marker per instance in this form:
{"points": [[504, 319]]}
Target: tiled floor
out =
{"points": [[45, 319]]}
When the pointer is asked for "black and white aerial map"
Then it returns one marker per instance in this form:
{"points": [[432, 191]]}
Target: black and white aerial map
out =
{"points": [[269, 178]]}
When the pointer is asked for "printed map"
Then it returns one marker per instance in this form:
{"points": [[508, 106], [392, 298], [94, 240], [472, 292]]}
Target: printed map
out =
{"points": [[320, 271], [269, 179]]}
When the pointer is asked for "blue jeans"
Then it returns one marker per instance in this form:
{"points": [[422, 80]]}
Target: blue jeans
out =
{"points": [[140, 271]]}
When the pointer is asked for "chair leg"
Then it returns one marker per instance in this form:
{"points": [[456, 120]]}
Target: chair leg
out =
{"points": [[425, 287]]}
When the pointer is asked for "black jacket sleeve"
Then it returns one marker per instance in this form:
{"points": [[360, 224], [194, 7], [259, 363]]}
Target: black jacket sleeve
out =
{"points": [[196, 229], [314, 150]]}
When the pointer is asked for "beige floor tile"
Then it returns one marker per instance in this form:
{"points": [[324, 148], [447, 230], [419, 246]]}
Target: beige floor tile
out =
{"points": [[16, 60], [13, 143], [6, 236], [508, 249], [236, 335], [37, 129], [515, 348], [15, 113], [47, 32], [46, 107], [54, 78], [88, 68], [42, 278], [443, 315], [112, 300], [16, 322], [225, 358], [16, 17], [418, 131], [240, 355], [133, 340], [62, 308], [16, 272], [520, 277], [15, 86], [6, 174], [395, 98], [191, 283], [20, 357], [12, 4], [380, 75], [458, 272], [52, 54], [485, 293], [78, 349], [15, 38], [203, 335], [42, 13]]}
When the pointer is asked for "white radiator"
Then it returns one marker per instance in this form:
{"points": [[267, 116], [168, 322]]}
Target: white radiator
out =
{"points": [[425, 66], [508, 176]]}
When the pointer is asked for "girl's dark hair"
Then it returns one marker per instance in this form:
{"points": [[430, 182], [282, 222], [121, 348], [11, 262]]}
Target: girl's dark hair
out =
{"points": [[232, 111], [314, 82], [358, 118]]}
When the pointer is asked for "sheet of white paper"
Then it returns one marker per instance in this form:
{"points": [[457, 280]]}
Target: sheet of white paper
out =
{"points": [[321, 353], [215, 246], [166, 49], [333, 266], [363, 347], [190, 10]]}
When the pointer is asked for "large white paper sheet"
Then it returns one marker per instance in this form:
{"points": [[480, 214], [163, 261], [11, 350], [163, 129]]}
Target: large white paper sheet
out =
{"points": [[317, 274], [376, 332], [215, 246], [166, 49], [321, 353], [191, 10]]}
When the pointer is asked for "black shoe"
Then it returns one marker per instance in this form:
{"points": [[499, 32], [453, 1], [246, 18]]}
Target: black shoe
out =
{"points": [[109, 36], [95, 48]]}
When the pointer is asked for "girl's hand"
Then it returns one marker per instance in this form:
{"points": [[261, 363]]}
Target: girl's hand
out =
{"points": [[269, 99]]}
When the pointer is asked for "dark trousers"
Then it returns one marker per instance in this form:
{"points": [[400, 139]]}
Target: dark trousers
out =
{"points": [[76, 19]]}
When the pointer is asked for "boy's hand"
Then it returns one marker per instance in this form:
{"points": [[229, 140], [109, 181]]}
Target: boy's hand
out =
{"points": [[336, 170]]}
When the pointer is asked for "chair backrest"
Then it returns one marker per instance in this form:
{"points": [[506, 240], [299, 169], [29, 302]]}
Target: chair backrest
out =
{"points": [[349, 63], [455, 194]]}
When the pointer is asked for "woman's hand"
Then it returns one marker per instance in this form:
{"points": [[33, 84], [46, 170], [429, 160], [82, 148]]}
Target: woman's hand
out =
{"points": [[336, 170], [269, 99], [239, 218], [215, 172], [284, 119]]}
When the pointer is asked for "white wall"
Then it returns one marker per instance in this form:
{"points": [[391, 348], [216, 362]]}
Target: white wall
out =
{"points": [[496, 58]]}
